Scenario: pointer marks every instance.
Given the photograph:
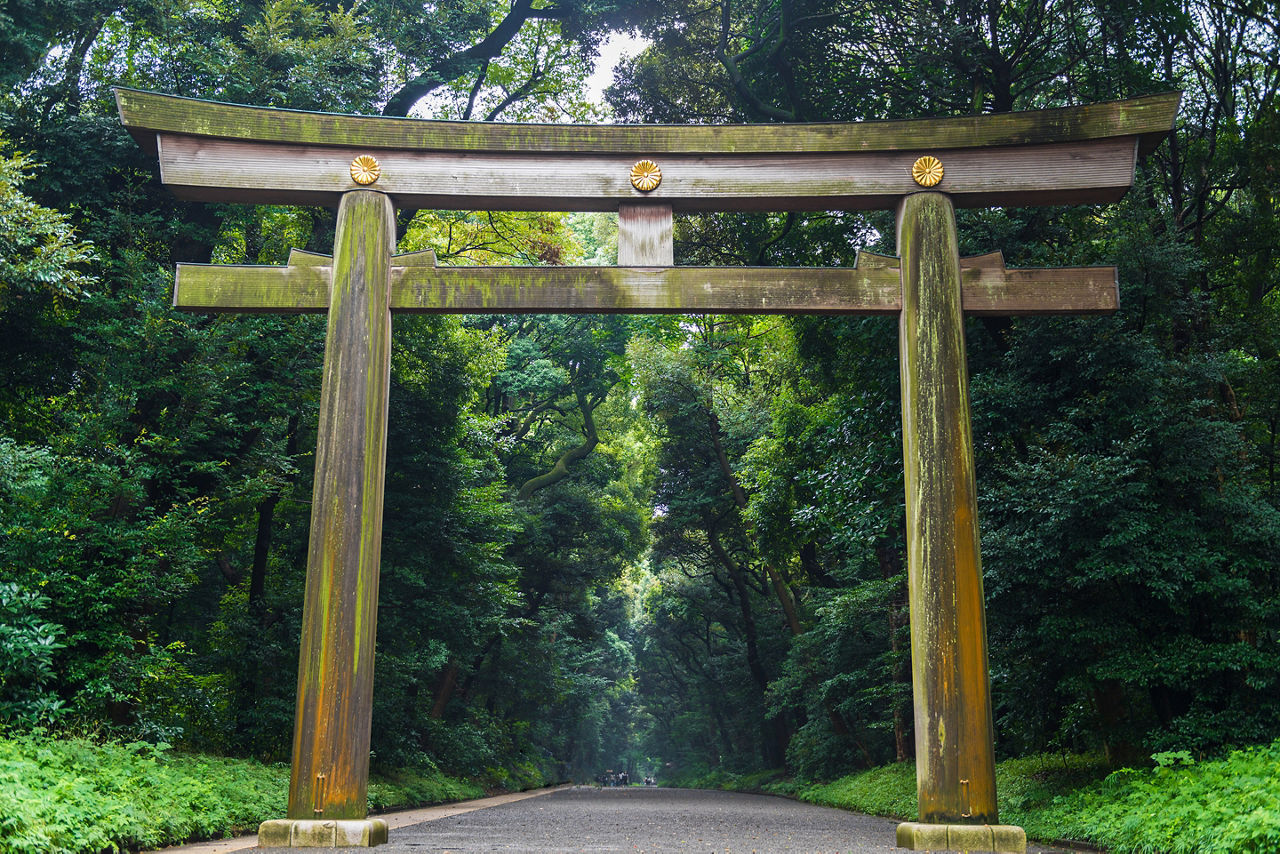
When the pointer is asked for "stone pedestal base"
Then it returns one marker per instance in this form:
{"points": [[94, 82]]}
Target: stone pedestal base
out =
{"points": [[322, 833], [962, 837]]}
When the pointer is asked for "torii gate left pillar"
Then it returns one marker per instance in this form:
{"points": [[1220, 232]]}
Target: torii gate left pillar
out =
{"points": [[328, 787], [229, 153]]}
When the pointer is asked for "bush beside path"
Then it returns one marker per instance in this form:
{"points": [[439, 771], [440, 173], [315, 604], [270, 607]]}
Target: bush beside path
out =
{"points": [[73, 795]]}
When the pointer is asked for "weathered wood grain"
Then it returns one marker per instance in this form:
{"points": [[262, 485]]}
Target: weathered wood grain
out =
{"points": [[990, 289], [303, 258], [220, 152], [219, 170], [330, 772], [955, 753], [622, 290], [301, 287], [145, 113], [421, 258], [645, 236], [870, 288]]}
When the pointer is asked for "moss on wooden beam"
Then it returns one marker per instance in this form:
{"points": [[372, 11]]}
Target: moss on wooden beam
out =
{"points": [[145, 114], [873, 287]]}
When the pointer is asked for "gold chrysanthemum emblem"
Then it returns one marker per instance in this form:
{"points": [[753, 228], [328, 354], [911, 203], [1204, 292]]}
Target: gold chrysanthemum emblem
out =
{"points": [[927, 171], [646, 176], [365, 169]]}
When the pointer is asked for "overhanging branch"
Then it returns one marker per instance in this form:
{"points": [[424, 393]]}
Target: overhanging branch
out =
{"points": [[464, 61], [561, 469]]}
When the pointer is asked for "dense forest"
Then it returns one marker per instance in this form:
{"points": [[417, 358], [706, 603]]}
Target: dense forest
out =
{"points": [[672, 544]]}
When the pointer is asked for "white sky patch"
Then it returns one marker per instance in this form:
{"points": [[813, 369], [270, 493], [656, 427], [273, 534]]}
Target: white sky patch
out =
{"points": [[617, 47]]}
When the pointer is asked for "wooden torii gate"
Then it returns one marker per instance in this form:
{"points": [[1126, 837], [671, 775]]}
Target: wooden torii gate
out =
{"points": [[921, 168]]}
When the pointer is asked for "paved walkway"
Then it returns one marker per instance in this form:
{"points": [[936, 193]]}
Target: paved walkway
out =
{"points": [[651, 820], [589, 819]]}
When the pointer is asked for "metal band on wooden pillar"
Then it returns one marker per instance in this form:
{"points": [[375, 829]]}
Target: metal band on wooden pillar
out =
{"points": [[230, 153], [955, 765]]}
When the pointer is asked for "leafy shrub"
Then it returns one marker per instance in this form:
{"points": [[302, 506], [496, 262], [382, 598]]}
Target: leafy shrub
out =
{"points": [[27, 645], [702, 778], [463, 747], [70, 795], [816, 752], [524, 775], [403, 788], [1032, 783], [887, 790], [1227, 806], [39, 252]]}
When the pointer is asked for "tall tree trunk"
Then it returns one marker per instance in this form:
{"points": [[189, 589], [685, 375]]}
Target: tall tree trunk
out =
{"points": [[68, 91], [266, 515], [890, 566], [722, 730], [448, 681], [494, 643], [750, 637], [773, 732], [253, 684], [779, 584]]}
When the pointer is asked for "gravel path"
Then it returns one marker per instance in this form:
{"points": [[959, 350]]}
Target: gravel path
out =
{"points": [[569, 819], [650, 820]]}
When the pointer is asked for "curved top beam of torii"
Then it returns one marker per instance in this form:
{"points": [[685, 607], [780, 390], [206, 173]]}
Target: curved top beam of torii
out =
{"points": [[211, 151]]}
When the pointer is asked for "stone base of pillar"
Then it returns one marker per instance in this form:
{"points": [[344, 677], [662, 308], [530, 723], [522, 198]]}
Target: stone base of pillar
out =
{"points": [[915, 836], [322, 833]]}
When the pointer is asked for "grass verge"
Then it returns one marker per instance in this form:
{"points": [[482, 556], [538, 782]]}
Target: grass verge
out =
{"points": [[71, 795], [1226, 806]]}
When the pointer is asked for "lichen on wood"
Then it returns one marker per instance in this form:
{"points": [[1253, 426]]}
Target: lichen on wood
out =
{"points": [[145, 113], [872, 287], [335, 670], [955, 754]]}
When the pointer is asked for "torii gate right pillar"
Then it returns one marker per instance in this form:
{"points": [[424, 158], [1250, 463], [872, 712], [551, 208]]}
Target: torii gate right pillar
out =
{"points": [[955, 744]]}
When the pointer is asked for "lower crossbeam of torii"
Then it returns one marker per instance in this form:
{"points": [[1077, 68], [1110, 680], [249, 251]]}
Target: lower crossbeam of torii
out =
{"points": [[921, 169]]}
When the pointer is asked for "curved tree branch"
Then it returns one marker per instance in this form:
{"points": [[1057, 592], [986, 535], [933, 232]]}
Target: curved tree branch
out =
{"points": [[471, 59], [739, 82], [475, 90], [561, 469]]}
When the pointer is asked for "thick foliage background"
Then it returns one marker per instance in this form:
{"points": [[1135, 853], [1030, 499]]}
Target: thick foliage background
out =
{"points": [[665, 544]]}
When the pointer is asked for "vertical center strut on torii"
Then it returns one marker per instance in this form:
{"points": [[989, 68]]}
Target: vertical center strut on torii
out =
{"points": [[921, 168]]}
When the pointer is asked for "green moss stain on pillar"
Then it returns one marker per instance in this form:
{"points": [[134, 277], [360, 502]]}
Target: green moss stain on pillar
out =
{"points": [[955, 756], [335, 670]]}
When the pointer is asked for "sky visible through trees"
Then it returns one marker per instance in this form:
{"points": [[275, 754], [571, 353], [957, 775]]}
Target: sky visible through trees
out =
{"points": [[714, 579]]}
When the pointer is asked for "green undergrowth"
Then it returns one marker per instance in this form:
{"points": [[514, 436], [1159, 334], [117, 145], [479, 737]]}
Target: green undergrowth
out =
{"points": [[71, 795], [756, 781], [1225, 806]]}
